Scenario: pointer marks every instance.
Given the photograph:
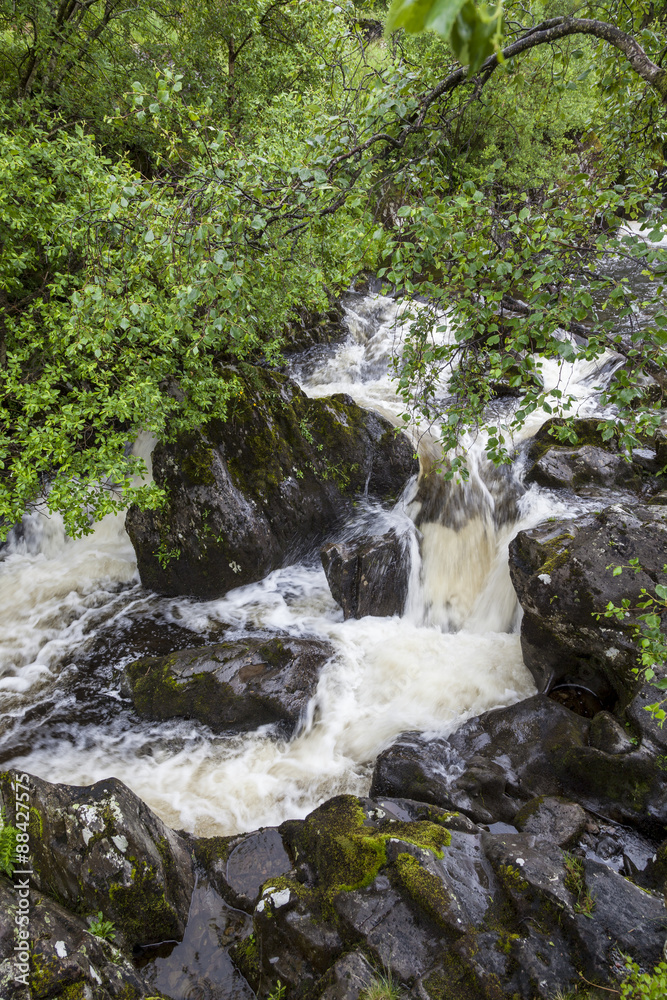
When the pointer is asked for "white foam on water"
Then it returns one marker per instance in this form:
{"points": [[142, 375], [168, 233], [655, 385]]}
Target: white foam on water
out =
{"points": [[454, 653]]}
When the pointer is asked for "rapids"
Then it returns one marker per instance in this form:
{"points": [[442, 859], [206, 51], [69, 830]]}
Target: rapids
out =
{"points": [[72, 612]]}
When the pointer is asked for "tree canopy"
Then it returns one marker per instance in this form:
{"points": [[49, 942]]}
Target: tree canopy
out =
{"points": [[180, 179]]}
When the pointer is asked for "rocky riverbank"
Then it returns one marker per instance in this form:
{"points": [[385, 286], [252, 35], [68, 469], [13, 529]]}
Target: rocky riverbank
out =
{"points": [[509, 859]]}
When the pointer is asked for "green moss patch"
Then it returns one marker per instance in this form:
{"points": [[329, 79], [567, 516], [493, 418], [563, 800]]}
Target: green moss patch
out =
{"points": [[348, 854], [142, 911], [424, 888]]}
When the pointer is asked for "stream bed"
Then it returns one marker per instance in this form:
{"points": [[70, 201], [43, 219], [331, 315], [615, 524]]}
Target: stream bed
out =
{"points": [[72, 613]]}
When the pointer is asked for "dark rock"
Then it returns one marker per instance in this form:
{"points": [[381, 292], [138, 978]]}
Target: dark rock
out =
{"points": [[305, 919], [368, 576], [251, 494], [66, 959], [561, 577], [544, 962], [449, 914], [306, 329], [347, 977], [553, 818], [577, 457], [607, 734], [100, 848], [295, 946], [395, 936], [200, 965], [494, 764], [258, 858], [624, 916], [578, 468], [241, 684], [597, 908]]}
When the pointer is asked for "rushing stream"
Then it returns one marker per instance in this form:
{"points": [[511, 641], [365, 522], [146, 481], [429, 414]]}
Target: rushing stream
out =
{"points": [[72, 612]]}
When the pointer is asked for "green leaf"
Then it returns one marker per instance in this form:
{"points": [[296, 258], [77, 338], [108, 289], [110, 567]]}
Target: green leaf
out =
{"points": [[443, 15], [414, 15]]}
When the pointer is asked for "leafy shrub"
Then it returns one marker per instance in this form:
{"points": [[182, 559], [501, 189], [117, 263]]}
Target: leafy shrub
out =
{"points": [[645, 985]]}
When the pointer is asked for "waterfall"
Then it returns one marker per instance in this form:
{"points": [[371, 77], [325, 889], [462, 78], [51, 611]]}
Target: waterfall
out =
{"points": [[65, 606]]}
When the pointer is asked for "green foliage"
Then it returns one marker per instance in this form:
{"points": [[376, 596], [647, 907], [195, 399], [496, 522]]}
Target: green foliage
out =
{"points": [[474, 31], [576, 884], [513, 276], [278, 993], [382, 987], [101, 928], [645, 985], [646, 616], [176, 183], [8, 842]]}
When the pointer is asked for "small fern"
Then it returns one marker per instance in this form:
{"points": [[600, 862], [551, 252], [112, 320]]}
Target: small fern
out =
{"points": [[8, 841], [101, 928]]}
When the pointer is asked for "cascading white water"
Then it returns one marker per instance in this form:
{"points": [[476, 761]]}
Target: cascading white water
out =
{"points": [[454, 653]]}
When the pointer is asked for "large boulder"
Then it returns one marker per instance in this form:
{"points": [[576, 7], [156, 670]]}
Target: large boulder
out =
{"points": [[100, 848], [62, 957], [263, 488], [369, 575], [576, 456], [439, 905], [244, 683], [496, 763], [597, 909], [562, 574]]}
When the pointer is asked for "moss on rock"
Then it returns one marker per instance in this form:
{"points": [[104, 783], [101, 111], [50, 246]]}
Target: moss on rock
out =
{"points": [[348, 853], [142, 904], [427, 891]]}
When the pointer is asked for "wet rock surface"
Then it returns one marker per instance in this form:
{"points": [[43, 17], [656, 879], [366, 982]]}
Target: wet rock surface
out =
{"points": [[200, 965], [368, 576], [264, 488], [562, 574], [553, 818], [591, 464], [494, 764], [445, 912], [360, 889], [66, 959], [245, 683], [100, 848]]}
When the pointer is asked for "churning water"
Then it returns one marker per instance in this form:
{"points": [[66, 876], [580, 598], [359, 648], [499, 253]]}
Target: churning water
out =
{"points": [[72, 613]]}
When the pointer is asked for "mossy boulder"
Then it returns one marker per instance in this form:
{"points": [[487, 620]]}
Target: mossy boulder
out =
{"points": [[452, 914], [241, 684], [263, 488], [575, 455], [66, 960], [344, 854], [100, 848], [562, 572]]}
